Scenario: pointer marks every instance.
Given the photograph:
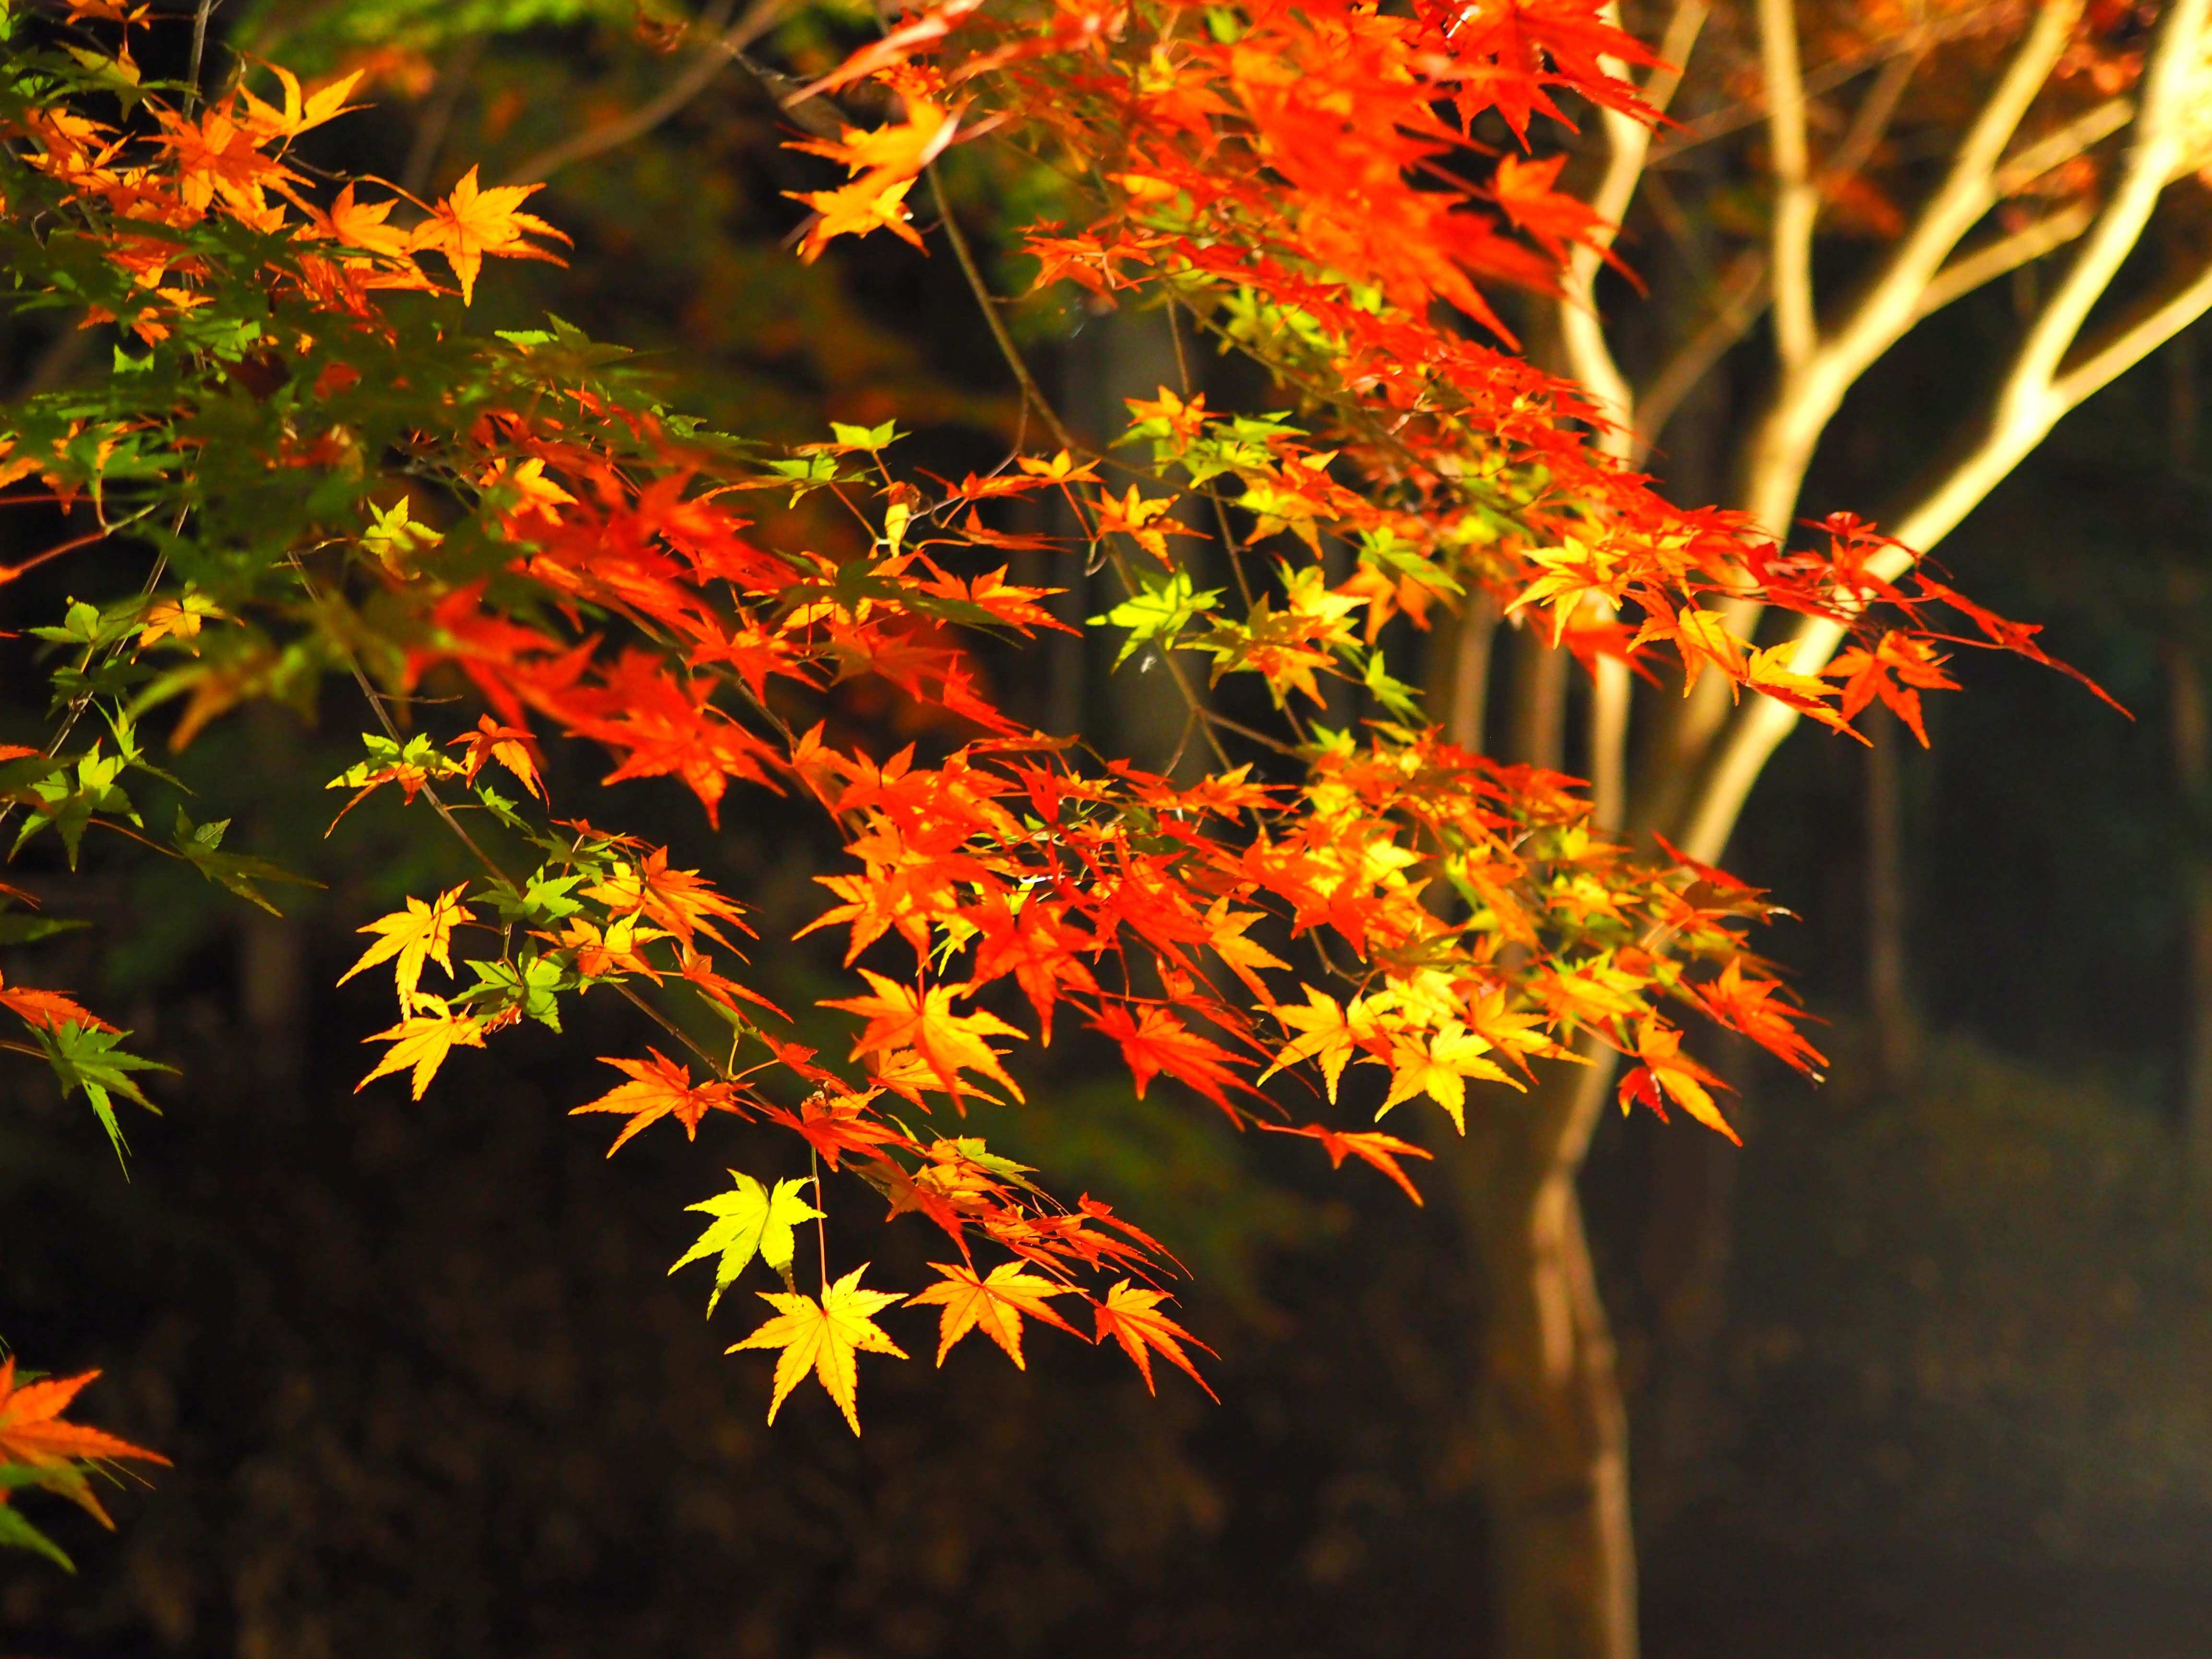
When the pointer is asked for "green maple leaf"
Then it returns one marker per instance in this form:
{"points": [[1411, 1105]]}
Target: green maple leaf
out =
{"points": [[200, 845], [1161, 612], [86, 1058], [16, 1532], [750, 1221]]}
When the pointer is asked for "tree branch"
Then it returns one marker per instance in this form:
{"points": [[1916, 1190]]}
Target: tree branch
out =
{"points": [[2091, 127], [1782, 448], [2033, 398], [1796, 200], [1590, 358], [1744, 296], [713, 57], [1870, 123], [1993, 259], [1582, 331]]}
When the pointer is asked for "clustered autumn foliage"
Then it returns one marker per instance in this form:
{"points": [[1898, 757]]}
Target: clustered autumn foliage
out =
{"points": [[322, 474]]}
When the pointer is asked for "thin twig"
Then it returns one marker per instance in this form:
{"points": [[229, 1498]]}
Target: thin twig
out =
{"points": [[989, 305], [713, 57], [1992, 260], [438, 117], [1743, 296], [1721, 123], [200, 16], [429, 792]]}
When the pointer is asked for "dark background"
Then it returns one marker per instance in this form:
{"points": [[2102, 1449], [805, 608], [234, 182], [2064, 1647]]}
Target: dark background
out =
{"points": [[1921, 1370]]}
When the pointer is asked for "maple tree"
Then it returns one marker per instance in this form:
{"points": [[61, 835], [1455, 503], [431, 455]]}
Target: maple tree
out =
{"points": [[320, 474]]}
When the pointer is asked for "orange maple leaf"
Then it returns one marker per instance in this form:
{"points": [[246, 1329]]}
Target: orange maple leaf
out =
{"points": [[681, 900], [1132, 1318], [1667, 1069], [49, 1009], [660, 1088], [921, 1018], [1753, 1007], [1371, 1145], [511, 746], [854, 210], [898, 150], [993, 1305], [473, 221], [31, 1431], [834, 1124], [1157, 1042]]}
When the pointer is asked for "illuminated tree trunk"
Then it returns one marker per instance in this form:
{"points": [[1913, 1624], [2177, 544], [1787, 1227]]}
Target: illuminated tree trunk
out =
{"points": [[1548, 1403], [1554, 1433]]}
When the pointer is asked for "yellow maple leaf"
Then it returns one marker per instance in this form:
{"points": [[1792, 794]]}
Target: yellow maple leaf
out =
{"points": [[474, 222], [1327, 1032], [824, 1337], [176, 619], [900, 149], [995, 1304], [1572, 572], [1702, 636], [422, 1041], [420, 933], [1438, 1067]]}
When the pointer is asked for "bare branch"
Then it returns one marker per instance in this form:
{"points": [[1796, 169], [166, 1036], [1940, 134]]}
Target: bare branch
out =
{"points": [[2036, 393], [2132, 342], [1721, 123], [437, 116], [1581, 333], [1796, 199], [1743, 295], [1745, 291], [1992, 260], [1807, 399], [1870, 123], [1628, 141], [712, 58], [2091, 127]]}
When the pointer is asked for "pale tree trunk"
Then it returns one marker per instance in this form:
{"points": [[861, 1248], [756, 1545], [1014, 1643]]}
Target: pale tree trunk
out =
{"points": [[1547, 1397], [1537, 711], [1553, 1433]]}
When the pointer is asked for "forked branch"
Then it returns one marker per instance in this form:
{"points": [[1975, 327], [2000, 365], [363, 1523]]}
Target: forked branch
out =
{"points": [[2039, 389]]}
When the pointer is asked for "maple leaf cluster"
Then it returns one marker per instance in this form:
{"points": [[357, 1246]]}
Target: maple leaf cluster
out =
{"points": [[1298, 183]]}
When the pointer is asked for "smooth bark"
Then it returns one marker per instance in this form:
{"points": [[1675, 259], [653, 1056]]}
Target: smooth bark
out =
{"points": [[1554, 1433]]}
